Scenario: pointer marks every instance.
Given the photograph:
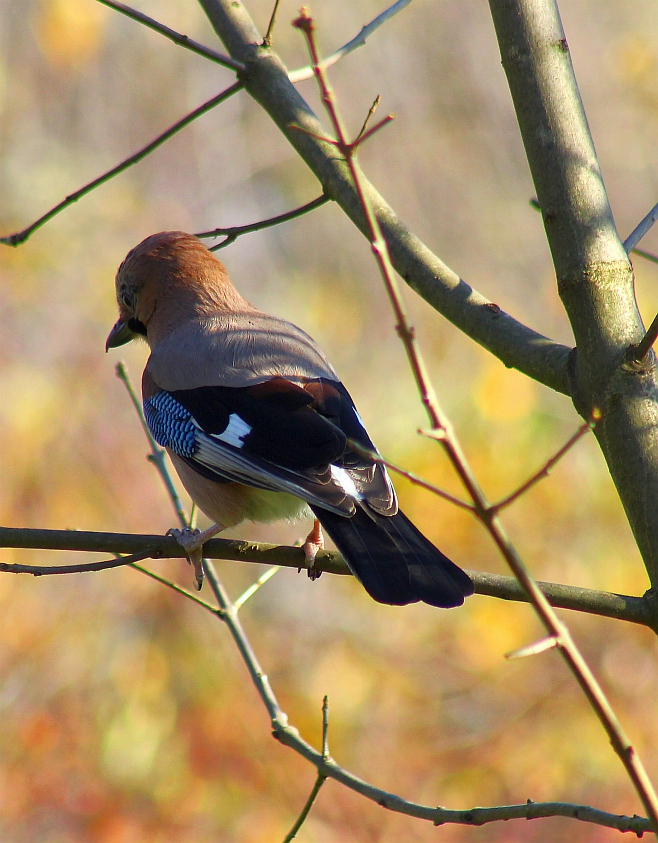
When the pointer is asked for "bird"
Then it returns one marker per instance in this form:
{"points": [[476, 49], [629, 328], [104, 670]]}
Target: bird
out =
{"points": [[259, 426]]}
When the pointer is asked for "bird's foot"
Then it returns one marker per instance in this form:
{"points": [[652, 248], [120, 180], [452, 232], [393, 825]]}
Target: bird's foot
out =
{"points": [[312, 546], [192, 542]]}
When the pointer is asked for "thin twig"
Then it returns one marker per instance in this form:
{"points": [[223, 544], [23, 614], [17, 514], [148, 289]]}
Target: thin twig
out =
{"points": [[640, 351], [413, 478], [370, 114], [21, 236], [267, 41], [320, 780], [82, 568], [358, 41], [158, 455], [177, 588], [253, 588], [548, 466], [176, 37], [647, 255], [444, 432], [235, 231], [325, 727], [640, 230]]}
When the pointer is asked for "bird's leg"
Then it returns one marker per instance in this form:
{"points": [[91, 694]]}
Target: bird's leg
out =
{"points": [[313, 544], [192, 542]]}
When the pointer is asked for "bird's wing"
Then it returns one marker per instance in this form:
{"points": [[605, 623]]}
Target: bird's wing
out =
{"points": [[274, 435]]}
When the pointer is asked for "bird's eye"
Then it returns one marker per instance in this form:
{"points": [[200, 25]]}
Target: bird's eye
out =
{"points": [[125, 298]]}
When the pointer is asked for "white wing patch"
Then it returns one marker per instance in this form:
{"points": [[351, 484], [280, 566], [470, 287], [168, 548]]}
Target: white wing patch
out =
{"points": [[345, 482], [236, 431]]}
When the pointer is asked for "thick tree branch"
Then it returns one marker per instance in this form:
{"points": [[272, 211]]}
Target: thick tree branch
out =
{"points": [[594, 274], [267, 81]]}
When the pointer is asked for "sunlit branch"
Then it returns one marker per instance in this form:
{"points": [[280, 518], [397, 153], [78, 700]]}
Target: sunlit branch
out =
{"points": [[640, 230], [21, 236], [82, 568], [370, 114], [548, 466], [603, 603], [358, 41], [320, 780], [446, 435], [267, 41], [176, 37], [254, 587], [236, 231], [640, 351]]}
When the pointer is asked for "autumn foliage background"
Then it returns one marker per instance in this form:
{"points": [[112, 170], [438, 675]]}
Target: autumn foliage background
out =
{"points": [[125, 712]]}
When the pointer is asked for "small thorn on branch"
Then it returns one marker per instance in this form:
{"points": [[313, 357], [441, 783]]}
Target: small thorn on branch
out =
{"points": [[637, 353]]}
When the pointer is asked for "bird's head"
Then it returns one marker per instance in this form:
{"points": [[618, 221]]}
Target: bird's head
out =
{"points": [[167, 278]]}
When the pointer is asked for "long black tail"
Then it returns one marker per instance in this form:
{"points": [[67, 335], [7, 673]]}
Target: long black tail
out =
{"points": [[394, 561]]}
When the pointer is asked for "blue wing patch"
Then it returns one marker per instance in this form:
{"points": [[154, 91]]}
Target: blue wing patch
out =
{"points": [[171, 424]]}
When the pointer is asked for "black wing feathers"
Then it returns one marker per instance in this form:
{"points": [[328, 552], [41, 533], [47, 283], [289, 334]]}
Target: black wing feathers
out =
{"points": [[297, 434], [394, 561]]}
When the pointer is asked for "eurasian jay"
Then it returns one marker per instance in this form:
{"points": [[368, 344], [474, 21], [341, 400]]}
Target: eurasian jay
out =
{"points": [[257, 423]]}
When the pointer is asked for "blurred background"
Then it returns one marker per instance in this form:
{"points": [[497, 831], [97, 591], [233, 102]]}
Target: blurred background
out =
{"points": [[126, 714]]}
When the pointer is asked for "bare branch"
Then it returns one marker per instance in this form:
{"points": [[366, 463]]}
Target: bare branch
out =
{"points": [[235, 231], [254, 587], [370, 114], [444, 432], [176, 37], [548, 466], [603, 603], [358, 41], [638, 352], [321, 779], [267, 41], [21, 236], [512, 342], [640, 230], [82, 568]]}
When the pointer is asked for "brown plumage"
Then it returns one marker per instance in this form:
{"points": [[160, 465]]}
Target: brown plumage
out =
{"points": [[256, 420]]}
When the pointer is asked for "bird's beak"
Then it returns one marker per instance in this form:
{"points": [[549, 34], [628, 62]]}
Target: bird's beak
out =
{"points": [[119, 335]]}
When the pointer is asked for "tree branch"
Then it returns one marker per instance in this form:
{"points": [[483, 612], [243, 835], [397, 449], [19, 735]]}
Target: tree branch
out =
{"points": [[176, 37], [595, 278], [603, 603], [21, 236], [236, 231], [267, 81]]}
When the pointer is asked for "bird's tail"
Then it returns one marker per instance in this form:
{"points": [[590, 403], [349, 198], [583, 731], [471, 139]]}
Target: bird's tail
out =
{"points": [[394, 561]]}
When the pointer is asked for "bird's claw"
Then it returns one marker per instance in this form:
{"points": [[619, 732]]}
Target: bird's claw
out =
{"points": [[312, 546], [188, 539]]}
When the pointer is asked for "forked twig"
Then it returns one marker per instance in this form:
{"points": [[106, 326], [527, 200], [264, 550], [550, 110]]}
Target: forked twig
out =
{"points": [[21, 236], [443, 431], [236, 231], [356, 42]]}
